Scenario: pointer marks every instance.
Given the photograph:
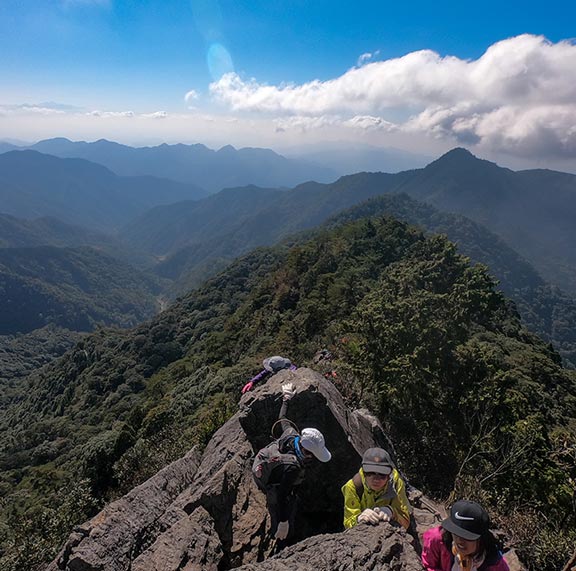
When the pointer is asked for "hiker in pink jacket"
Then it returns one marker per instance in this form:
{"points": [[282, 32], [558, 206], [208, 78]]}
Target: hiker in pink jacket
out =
{"points": [[462, 542]]}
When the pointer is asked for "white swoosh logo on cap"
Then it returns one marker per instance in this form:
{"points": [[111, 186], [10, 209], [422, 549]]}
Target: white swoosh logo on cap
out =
{"points": [[458, 516]]}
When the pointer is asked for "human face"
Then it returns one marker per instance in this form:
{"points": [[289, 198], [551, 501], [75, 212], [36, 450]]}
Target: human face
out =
{"points": [[466, 547], [308, 456], [376, 481]]}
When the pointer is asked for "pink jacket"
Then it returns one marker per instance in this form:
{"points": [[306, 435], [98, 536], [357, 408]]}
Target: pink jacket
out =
{"points": [[437, 557]]}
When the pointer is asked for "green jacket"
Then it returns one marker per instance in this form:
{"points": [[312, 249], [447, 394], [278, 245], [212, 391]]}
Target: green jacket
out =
{"points": [[394, 495]]}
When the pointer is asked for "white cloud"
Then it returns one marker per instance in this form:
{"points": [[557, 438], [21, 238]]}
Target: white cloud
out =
{"points": [[155, 115], [518, 97], [365, 58], [368, 122], [114, 114], [190, 97], [304, 123], [25, 109]]}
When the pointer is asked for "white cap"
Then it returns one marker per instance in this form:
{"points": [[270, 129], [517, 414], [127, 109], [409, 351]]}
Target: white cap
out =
{"points": [[313, 441]]}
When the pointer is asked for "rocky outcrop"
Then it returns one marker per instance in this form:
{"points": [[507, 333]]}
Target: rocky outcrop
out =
{"points": [[381, 548], [110, 540], [208, 514]]}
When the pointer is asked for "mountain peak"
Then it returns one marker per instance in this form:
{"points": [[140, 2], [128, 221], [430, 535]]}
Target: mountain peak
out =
{"points": [[460, 158], [227, 149], [459, 154], [459, 151], [54, 140]]}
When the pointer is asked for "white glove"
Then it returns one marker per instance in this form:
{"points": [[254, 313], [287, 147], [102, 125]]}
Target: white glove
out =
{"points": [[288, 391], [282, 530], [385, 513], [369, 516]]}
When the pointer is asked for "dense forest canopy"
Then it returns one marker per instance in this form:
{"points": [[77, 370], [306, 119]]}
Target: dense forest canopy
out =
{"points": [[74, 288], [475, 404]]}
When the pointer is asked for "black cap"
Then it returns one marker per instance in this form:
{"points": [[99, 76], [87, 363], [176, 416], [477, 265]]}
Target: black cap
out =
{"points": [[468, 520], [377, 460]]}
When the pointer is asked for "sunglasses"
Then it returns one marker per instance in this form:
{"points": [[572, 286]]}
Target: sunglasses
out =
{"points": [[376, 475]]}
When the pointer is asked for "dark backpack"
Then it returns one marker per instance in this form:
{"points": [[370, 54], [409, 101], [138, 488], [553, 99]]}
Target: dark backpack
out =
{"points": [[269, 458]]}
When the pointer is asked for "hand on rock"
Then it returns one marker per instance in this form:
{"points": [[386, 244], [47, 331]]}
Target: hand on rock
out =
{"points": [[247, 387], [384, 514], [288, 391], [282, 530], [369, 516]]}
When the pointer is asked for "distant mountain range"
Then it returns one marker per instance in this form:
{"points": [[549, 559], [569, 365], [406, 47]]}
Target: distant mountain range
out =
{"points": [[165, 229], [190, 164], [196, 239], [74, 288], [77, 191], [533, 211]]}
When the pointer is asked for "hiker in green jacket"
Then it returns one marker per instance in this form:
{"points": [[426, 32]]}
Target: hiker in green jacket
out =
{"points": [[376, 493]]}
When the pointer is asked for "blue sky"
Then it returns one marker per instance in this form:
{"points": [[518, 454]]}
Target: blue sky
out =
{"points": [[423, 76]]}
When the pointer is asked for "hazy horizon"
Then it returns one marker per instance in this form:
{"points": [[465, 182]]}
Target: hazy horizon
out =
{"points": [[496, 80]]}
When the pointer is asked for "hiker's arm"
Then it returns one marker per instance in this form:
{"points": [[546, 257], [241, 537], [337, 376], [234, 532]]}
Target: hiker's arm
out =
{"points": [[248, 386], [289, 477], [352, 507], [431, 556], [283, 421], [400, 505]]}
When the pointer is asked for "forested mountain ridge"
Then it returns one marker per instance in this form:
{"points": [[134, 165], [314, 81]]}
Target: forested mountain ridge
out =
{"points": [[545, 309], [531, 210], [73, 288], [268, 216], [419, 336], [21, 233], [168, 228], [197, 164], [79, 192]]}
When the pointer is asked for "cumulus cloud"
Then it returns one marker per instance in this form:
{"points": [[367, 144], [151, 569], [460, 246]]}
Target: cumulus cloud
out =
{"points": [[191, 96], [306, 123], [368, 122], [519, 96]]}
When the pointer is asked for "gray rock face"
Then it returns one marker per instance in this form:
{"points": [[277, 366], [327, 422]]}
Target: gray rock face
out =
{"points": [[207, 514], [380, 547], [110, 540]]}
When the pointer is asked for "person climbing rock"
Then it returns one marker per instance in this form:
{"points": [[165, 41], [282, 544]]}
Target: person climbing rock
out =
{"points": [[463, 542], [279, 469], [376, 493], [271, 366]]}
